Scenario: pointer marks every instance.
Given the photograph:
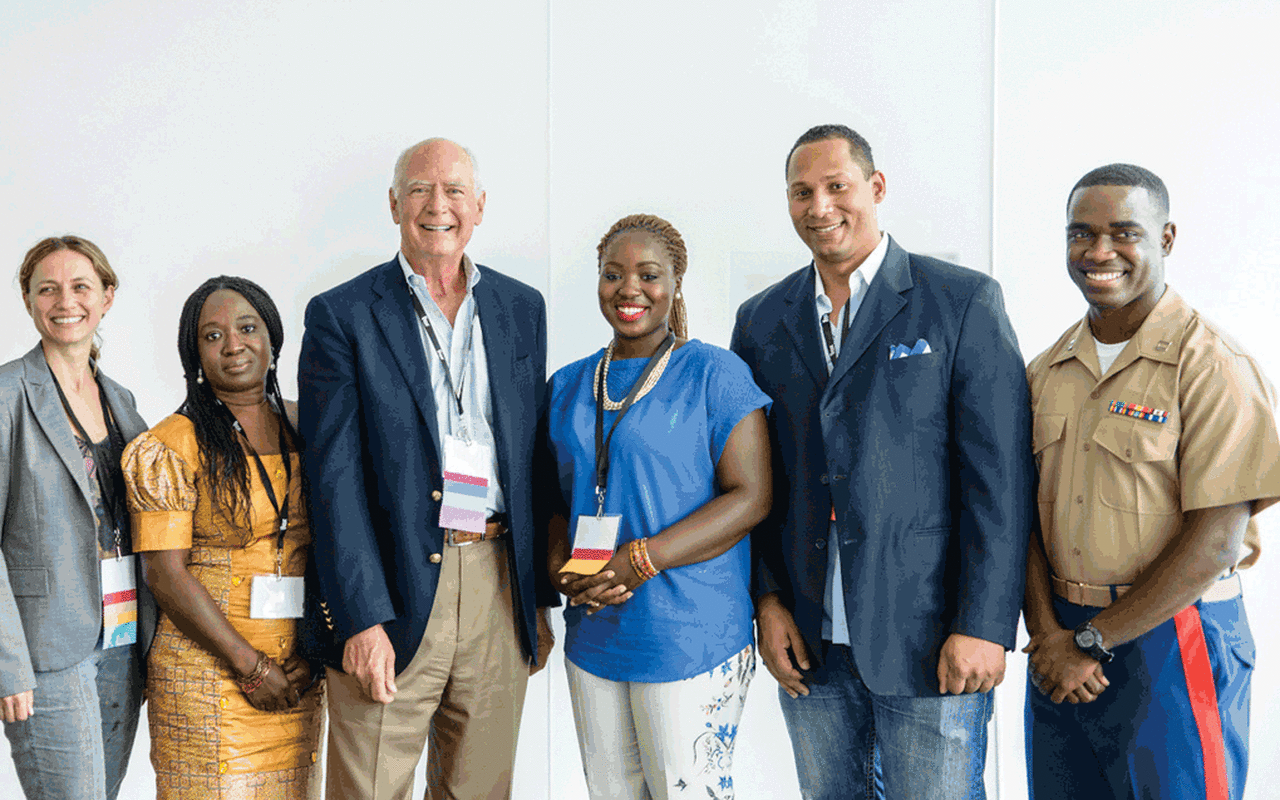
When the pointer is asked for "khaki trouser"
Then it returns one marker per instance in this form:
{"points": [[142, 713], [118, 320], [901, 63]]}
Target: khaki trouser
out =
{"points": [[462, 695]]}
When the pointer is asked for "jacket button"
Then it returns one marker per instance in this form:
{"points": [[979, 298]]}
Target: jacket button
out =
{"points": [[821, 544], [236, 580], [823, 479], [435, 558], [437, 496]]}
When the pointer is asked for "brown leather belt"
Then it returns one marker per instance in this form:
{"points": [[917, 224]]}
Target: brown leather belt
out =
{"points": [[1101, 595], [495, 527]]}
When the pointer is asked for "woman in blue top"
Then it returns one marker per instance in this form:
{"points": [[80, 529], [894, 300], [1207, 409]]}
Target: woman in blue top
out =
{"points": [[675, 457]]}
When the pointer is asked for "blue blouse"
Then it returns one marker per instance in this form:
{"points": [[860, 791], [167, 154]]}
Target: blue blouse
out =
{"points": [[662, 466]]}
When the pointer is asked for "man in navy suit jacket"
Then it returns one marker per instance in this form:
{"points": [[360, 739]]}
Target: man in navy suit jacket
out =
{"points": [[889, 575], [421, 386]]}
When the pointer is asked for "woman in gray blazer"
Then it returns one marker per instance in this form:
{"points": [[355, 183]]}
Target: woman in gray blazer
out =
{"points": [[75, 620]]}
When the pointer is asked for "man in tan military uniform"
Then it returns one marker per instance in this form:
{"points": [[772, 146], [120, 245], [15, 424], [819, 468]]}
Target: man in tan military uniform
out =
{"points": [[1155, 436]]}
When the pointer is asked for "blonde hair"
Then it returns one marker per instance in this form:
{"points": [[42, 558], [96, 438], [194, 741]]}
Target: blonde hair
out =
{"points": [[46, 247], [671, 239]]}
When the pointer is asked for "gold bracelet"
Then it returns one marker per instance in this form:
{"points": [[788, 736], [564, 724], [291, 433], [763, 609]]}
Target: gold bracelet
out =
{"points": [[640, 560], [249, 683]]}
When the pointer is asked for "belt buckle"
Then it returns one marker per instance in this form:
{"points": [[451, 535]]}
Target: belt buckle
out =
{"points": [[452, 540]]}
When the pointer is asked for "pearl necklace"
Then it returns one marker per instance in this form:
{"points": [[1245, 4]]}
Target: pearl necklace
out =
{"points": [[650, 382]]}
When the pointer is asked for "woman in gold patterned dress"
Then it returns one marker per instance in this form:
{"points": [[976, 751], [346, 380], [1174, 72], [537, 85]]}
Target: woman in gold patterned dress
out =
{"points": [[218, 513]]}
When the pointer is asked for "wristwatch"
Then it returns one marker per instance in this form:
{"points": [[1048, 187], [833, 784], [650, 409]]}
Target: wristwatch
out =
{"points": [[1089, 642]]}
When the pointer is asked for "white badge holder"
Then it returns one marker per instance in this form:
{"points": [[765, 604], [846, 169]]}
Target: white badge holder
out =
{"points": [[594, 540], [467, 485], [119, 601], [276, 597]]}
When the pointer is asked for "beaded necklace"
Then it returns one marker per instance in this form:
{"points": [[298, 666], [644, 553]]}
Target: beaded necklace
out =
{"points": [[650, 382]]}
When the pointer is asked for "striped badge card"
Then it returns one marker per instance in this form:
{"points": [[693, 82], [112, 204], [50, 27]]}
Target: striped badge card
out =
{"points": [[119, 602], [594, 542], [465, 497]]}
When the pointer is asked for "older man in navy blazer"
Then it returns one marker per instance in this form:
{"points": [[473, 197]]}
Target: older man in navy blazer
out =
{"points": [[890, 572], [421, 387]]}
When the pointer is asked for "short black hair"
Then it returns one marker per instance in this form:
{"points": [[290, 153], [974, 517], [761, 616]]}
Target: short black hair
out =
{"points": [[1125, 175], [858, 147]]}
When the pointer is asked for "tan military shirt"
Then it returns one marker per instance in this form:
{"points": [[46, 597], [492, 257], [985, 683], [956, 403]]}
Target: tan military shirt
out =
{"points": [[1183, 419]]}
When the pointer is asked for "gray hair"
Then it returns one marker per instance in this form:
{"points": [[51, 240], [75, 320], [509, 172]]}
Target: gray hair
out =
{"points": [[402, 163]]}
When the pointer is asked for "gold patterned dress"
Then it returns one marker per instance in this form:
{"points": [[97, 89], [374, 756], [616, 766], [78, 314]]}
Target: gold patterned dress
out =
{"points": [[206, 740]]}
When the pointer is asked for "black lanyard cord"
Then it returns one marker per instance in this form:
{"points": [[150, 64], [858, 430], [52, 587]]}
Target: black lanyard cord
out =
{"points": [[281, 508], [110, 477], [602, 441], [435, 344], [828, 334]]}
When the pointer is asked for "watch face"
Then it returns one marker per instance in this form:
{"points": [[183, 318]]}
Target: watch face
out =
{"points": [[1085, 638]]}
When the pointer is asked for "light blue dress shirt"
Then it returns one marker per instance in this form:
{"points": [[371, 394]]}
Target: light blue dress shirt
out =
{"points": [[835, 624], [468, 362]]}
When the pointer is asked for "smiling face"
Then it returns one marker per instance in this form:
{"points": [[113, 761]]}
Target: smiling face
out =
{"points": [[235, 348], [1117, 240], [636, 286], [833, 205], [66, 299], [437, 206]]}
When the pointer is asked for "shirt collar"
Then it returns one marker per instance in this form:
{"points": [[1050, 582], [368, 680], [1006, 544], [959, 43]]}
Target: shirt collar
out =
{"points": [[1159, 337], [473, 274], [865, 273]]}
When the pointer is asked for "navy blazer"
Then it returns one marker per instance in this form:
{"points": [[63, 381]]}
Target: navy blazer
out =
{"points": [[925, 459], [50, 579], [368, 419]]}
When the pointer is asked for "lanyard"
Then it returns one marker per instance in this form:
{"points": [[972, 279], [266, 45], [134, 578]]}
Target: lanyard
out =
{"points": [[435, 344], [602, 441], [110, 479], [282, 510], [828, 334]]}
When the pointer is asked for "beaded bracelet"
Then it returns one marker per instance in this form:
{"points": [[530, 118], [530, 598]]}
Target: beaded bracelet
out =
{"points": [[640, 559], [250, 683]]}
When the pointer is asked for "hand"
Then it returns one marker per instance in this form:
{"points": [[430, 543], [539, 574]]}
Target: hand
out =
{"points": [[1064, 672], [968, 664], [275, 693], [298, 671], [614, 584], [17, 707], [546, 640], [780, 640], [370, 657]]}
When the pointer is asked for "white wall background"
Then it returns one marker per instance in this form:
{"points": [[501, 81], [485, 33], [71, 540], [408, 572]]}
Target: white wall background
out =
{"points": [[258, 138]]}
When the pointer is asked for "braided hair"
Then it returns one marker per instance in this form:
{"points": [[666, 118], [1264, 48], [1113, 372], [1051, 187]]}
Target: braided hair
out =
{"points": [[221, 454], [671, 239]]}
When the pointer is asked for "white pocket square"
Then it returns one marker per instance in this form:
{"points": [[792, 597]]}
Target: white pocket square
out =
{"points": [[902, 351]]}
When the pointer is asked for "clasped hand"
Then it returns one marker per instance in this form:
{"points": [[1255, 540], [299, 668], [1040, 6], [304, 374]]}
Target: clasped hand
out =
{"points": [[613, 585], [282, 687], [1060, 671]]}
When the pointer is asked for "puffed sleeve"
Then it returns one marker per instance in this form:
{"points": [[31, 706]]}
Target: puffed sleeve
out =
{"points": [[161, 490]]}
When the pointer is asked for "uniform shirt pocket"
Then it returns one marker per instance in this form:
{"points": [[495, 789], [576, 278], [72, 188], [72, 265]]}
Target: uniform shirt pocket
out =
{"points": [[1046, 432], [1136, 469]]}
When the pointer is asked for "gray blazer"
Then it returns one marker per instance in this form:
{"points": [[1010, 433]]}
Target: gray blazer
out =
{"points": [[50, 586]]}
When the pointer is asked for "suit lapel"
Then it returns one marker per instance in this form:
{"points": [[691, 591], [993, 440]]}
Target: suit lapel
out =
{"points": [[496, 333], [801, 321], [48, 411], [883, 302], [394, 313], [131, 425]]}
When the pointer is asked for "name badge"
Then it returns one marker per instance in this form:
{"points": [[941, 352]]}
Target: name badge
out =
{"points": [[465, 498], [594, 541], [119, 601], [276, 597]]}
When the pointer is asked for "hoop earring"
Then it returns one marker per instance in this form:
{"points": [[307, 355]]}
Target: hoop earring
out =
{"points": [[199, 374]]}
